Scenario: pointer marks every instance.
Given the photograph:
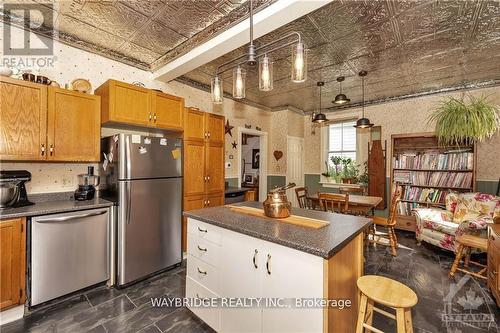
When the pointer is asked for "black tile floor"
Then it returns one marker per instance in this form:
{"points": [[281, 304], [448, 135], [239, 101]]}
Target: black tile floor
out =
{"points": [[424, 268]]}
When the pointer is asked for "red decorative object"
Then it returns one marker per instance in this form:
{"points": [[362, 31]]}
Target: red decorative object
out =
{"points": [[278, 154]]}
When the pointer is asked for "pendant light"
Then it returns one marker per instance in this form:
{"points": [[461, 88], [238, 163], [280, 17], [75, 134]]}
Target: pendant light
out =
{"points": [[363, 122], [216, 89], [265, 74], [341, 98], [319, 117], [299, 63], [239, 76]]}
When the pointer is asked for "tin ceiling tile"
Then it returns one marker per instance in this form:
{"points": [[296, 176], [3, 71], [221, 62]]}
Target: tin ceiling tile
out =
{"points": [[148, 8], [137, 52], [157, 37]]}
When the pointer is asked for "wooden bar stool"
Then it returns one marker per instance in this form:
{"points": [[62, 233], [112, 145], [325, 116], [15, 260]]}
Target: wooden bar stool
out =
{"points": [[393, 294], [465, 244]]}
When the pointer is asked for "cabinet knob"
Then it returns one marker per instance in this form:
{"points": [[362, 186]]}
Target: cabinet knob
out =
{"points": [[268, 264], [51, 150], [43, 149], [150, 116], [255, 258], [208, 178], [208, 134], [154, 117], [202, 249], [208, 202], [201, 272]]}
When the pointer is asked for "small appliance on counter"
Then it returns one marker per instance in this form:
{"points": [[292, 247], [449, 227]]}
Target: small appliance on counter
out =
{"points": [[87, 183], [12, 190]]}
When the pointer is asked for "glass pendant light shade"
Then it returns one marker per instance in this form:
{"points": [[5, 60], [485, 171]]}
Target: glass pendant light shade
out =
{"points": [[216, 89], [239, 76], [299, 62], [265, 74]]}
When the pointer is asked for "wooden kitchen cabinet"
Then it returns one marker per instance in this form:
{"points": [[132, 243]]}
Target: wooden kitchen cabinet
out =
{"points": [[40, 123], [74, 126], [23, 120], [124, 103], [203, 160], [494, 261], [12, 262]]}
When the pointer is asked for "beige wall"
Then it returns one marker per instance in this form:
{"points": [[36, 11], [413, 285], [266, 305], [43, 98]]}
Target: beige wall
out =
{"points": [[409, 116]]}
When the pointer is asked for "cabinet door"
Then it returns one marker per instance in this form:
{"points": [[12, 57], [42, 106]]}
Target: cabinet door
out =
{"points": [[215, 167], [194, 167], [74, 126], [130, 104], [23, 120], [215, 128], [191, 202], [216, 199], [167, 110], [288, 273], [493, 269], [242, 263], [12, 262], [194, 124]]}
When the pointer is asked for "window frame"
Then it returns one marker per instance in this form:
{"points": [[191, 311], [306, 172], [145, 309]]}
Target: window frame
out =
{"points": [[326, 147]]}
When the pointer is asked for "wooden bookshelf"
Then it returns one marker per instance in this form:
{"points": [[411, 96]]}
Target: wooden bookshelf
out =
{"points": [[412, 146]]}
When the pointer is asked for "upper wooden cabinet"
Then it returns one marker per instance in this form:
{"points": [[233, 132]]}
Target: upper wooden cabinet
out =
{"points": [[215, 128], [12, 262], [194, 124], [129, 104], [74, 126], [23, 120], [40, 123]]}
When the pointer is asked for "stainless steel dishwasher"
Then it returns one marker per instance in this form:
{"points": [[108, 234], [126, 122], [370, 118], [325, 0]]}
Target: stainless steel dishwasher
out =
{"points": [[69, 251]]}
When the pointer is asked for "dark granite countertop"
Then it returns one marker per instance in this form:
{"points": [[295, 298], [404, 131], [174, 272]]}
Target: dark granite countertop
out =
{"points": [[323, 242], [52, 207], [232, 189]]}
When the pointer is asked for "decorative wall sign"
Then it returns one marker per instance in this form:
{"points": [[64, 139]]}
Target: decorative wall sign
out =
{"points": [[228, 128], [235, 145], [248, 126], [278, 154], [258, 128]]}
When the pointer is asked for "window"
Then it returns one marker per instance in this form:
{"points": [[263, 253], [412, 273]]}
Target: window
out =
{"points": [[342, 140]]}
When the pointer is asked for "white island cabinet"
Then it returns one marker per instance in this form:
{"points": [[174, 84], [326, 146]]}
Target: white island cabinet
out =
{"points": [[227, 264]]}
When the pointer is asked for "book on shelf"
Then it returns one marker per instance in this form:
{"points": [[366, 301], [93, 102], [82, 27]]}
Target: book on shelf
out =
{"points": [[434, 160], [422, 194], [406, 208], [438, 179]]}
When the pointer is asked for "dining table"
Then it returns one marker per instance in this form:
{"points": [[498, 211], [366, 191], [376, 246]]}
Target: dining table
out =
{"points": [[362, 204]]}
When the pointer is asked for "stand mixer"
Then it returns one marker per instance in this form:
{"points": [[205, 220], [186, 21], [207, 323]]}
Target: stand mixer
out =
{"points": [[87, 183]]}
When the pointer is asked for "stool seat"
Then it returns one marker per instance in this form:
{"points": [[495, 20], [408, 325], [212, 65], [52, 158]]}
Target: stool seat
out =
{"points": [[387, 292], [473, 241]]}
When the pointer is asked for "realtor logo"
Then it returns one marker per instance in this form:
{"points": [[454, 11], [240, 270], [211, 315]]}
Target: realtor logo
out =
{"points": [[31, 16]]}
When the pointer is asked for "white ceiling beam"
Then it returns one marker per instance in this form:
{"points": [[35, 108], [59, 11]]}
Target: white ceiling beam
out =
{"points": [[265, 21]]}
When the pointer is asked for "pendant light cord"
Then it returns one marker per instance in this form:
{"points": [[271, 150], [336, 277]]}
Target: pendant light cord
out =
{"points": [[320, 99], [251, 22], [363, 93]]}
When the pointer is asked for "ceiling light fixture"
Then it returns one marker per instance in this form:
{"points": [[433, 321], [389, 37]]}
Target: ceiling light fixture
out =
{"points": [[341, 98], [363, 122], [298, 70], [319, 117]]}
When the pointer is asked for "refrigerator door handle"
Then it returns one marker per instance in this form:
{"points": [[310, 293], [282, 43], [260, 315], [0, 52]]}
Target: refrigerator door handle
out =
{"points": [[129, 201]]}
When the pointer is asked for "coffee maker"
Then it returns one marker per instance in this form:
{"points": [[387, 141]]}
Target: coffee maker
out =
{"points": [[12, 190], [87, 183]]}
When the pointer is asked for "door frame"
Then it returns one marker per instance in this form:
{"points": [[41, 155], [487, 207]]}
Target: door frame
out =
{"points": [[263, 159], [288, 156]]}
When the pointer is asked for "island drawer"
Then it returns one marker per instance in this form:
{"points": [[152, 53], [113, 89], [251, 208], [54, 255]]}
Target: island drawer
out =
{"points": [[209, 315], [203, 273], [203, 250], [204, 231]]}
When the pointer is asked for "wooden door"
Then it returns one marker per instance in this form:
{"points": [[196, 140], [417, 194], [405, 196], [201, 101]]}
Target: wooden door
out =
{"points": [[294, 166], [167, 111], [74, 126], [215, 128], [194, 168], [12, 262], [216, 199], [191, 202], [215, 167], [194, 124], [23, 120], [130, 104]]}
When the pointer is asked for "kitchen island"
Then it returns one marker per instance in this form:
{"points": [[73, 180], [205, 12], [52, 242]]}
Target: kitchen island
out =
{"points": [[283, 271]]}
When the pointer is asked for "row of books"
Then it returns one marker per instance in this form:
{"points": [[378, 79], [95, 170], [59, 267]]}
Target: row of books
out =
{"points": [[406, 208], [441, 179], [423, 194], [434, 160]]}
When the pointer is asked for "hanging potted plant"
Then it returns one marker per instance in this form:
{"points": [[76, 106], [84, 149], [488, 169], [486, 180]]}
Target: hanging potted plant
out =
{"points": [[460, 123]]}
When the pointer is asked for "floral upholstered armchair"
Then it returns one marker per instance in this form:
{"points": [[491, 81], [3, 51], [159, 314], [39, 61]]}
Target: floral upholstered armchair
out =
{"points": [[465, 213]]}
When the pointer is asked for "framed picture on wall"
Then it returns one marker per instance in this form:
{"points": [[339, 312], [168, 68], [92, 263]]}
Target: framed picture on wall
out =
{"points": [[255, 158]]}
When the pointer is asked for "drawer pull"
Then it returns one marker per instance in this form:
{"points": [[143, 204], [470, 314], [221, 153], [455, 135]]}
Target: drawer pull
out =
{"points": [[202, 249], [201, 272], [268, 264], [202, 230], [255, 258]]}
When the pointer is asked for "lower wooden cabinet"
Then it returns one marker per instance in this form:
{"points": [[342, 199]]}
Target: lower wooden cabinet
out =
{"points": [[494, 262], [12, 262]]}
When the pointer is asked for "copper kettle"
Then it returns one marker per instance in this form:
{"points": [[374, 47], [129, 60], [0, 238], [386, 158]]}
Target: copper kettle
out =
{"points": [[277, 204]]}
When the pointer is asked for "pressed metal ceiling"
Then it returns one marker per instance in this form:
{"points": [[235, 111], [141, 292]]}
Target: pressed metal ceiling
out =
{"points": [[408, 48], [144, 33]]}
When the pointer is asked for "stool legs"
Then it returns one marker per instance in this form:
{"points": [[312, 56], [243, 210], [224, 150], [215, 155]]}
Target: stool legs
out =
{"points": [[408, 321], [458, 257], [361, 314]]}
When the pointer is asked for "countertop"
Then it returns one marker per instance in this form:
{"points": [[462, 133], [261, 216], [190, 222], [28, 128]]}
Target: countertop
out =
{"points": [[231, 189], [52, 207], [323, 242]]}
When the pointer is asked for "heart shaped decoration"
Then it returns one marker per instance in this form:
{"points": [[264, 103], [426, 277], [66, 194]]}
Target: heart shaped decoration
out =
{"points": [[278, 154]]}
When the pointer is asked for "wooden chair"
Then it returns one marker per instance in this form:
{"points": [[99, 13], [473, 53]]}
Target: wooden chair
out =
{"points": [[390, 293], [302, 197], [465, 244], [336, 203], [389, 223], [352, 190]]}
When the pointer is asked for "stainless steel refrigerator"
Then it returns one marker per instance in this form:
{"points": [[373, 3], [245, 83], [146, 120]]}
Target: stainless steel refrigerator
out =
{"points": [[143, 175]]}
